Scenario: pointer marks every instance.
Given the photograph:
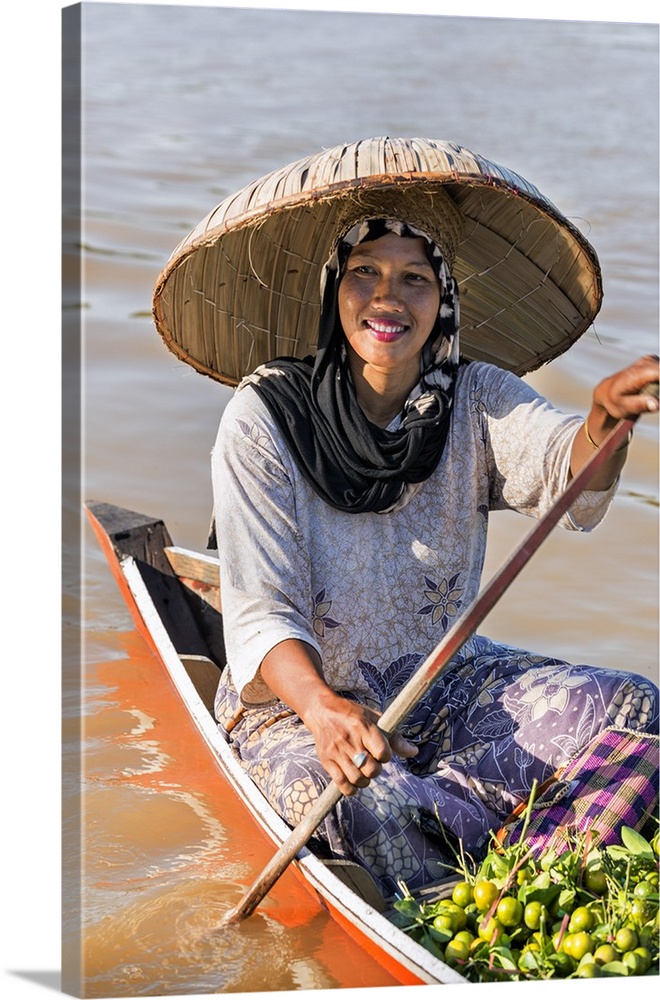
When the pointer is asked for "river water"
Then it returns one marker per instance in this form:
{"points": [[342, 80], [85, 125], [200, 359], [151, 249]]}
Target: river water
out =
{"points": [[182, 106]]}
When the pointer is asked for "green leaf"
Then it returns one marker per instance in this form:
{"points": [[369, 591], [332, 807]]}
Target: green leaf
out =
{"points": [[442, 936], [618, 851], [504, 957], [566, 898], [400, 920], [409, 907], [497, 866], [481, 949], [634, 841], [545, 895], [615, 969], [586, 959], [430, 944], [542, 880], [548, 860]]}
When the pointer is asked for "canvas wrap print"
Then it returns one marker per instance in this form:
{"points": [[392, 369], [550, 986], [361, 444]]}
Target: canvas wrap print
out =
{"points": [[612, 782]]}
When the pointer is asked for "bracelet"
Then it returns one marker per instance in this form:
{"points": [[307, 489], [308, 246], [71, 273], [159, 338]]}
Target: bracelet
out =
{"points": [[597, 446], [589, 437]]}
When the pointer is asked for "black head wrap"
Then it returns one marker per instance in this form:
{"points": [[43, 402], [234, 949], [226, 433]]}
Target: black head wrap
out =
{"points": [[350, 462]]}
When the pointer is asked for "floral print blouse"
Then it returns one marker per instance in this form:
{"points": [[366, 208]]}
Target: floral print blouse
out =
{"points": [[373, 593]]}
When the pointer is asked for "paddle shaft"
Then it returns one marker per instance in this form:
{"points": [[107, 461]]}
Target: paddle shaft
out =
{"points": [[429, 671]]}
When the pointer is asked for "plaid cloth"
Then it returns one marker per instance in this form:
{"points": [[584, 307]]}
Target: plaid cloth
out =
{"points": [[612, 782]]}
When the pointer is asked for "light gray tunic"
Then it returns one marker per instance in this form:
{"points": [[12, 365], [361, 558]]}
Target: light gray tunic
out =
{"points": [[374, 592]]}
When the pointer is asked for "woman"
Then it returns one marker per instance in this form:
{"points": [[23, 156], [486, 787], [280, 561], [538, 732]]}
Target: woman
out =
{"points": [[352, 496]]}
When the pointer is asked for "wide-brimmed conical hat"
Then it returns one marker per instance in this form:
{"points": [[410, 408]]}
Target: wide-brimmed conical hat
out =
{"points": [[243, 287]]}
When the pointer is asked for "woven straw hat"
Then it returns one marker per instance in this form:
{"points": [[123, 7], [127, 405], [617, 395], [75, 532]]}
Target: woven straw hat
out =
{"points": [[243, 287]]}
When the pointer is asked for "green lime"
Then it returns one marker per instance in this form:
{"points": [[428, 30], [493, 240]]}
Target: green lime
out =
{"points": [[605, 953], [509, 911], [588, 970], [485, 894], [642, 910], [626, 939], [563, 964], [577, 945], [443, 927], [645, 956], [581, 919], [487, 928], [595, 880], [644, 889], [463, 894], [456, 951], [456, 913], [532, 914], [558, 941], [634, 962]]}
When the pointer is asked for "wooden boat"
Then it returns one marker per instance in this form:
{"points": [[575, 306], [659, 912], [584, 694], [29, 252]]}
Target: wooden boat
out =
{"points": [[173, 595]]}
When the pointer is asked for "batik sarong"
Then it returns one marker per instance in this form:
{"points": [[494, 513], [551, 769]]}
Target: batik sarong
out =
{"points": [[497, 720]]}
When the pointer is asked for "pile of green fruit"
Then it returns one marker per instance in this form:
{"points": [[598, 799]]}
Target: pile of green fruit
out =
{"points": [[583, 912]]}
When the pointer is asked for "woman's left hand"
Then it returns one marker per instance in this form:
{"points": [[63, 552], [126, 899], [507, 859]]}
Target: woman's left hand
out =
{"points": [[619, 396]]}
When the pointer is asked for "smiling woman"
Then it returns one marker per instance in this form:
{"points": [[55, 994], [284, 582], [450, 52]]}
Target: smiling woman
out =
{"points": [[389, 300], [361, 478]]}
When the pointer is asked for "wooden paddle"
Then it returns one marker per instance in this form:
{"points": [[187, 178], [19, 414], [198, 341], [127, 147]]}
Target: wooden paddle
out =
{"points": [[429, 671]]}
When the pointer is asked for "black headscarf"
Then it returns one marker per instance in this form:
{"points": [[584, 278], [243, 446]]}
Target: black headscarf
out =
{"points": [[350, 462]]}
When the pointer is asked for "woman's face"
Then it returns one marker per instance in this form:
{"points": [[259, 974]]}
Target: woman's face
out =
{"points": [[389, 297]]}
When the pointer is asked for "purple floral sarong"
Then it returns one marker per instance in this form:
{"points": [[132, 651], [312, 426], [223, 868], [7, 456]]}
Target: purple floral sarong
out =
{"points": [[498, 719]]}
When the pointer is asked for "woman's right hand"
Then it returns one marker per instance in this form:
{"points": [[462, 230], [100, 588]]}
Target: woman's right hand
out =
{"points": [[341, 728]]}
